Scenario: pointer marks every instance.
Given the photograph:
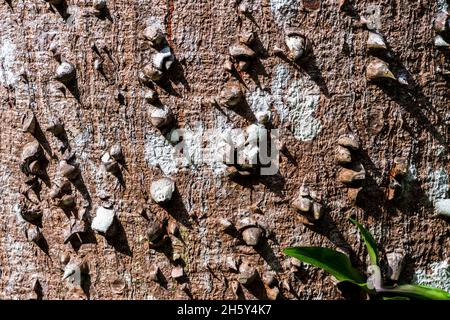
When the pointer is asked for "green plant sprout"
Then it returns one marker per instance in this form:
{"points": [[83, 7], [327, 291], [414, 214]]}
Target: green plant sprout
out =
{"points": [[340, 266]]}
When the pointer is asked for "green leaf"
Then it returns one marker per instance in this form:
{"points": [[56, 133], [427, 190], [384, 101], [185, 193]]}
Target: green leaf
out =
{"points": [[369, 241], [332, 261], [395, 298], [418, 292]]}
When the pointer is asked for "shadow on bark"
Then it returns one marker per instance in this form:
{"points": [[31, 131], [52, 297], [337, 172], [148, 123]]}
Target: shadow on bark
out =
{"points": [[174, 75], [351, 291], [165, 247], [120, 179], [83, 238], [349, 9], [62, 136], [39, 291], [415, 103], [371, 198], [105, 15], [86, 284], [329, 229], [43, 161], [40, 137], [79, 184], [243, 109], [162, 280], [257, 68], [240, 293], [36, 187], [410, 97], [74, 90], [61, 9]]}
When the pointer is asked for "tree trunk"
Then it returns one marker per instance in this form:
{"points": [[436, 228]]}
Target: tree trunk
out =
{"points": [[312, 102]]}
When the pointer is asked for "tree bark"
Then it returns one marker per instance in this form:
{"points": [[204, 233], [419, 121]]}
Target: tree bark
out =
{"points": [[312, 103]]}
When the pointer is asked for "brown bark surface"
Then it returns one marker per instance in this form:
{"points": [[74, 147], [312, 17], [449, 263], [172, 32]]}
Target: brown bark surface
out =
{"points": [[108, 107]]}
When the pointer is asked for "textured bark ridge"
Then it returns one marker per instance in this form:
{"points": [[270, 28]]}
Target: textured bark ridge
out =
{"points": [[78, 216]]}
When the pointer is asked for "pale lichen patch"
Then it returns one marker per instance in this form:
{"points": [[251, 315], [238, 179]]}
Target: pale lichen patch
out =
{"points": [[438, 182]]}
